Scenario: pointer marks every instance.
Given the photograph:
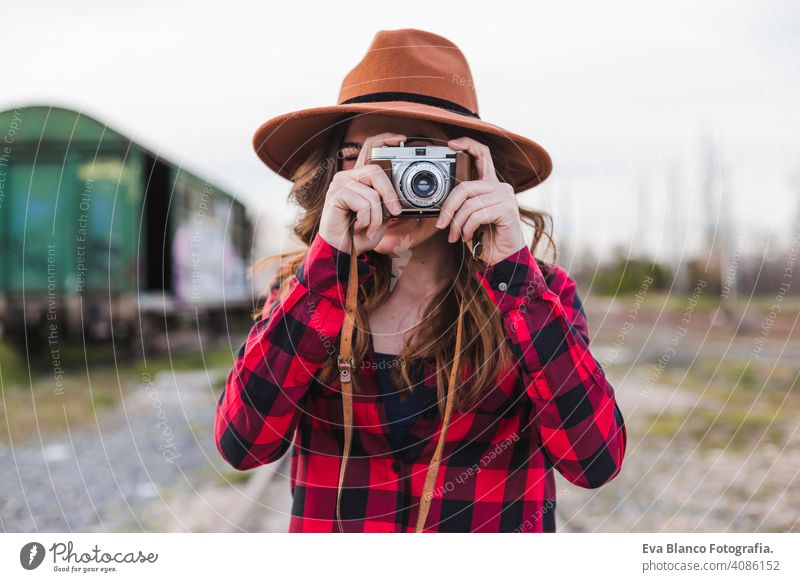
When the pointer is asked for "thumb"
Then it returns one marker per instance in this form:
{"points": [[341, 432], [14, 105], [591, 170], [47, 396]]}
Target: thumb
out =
{"points": [[365, 243]]}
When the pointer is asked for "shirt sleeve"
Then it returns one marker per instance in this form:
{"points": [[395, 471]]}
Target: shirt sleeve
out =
{"points": [[575, 409], [259, 407]]}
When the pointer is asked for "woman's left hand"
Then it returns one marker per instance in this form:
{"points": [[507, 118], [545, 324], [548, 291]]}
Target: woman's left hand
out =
{"points": [[486, 204]]}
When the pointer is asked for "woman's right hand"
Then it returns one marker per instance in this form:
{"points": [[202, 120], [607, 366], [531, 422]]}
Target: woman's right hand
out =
{"points": [[363, 190]]}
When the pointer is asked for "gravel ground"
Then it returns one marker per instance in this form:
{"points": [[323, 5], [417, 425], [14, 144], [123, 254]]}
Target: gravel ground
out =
{"points": [[669, 484], [157, 444]]}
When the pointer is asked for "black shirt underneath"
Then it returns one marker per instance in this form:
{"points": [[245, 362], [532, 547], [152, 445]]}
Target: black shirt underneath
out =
{"points": [[401, 415]]}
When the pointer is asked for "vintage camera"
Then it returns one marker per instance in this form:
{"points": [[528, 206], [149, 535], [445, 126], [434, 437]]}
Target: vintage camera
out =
{"points": [[423, 176]]}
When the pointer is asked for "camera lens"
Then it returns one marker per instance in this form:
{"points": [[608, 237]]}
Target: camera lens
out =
{"points": [[424, 184]]}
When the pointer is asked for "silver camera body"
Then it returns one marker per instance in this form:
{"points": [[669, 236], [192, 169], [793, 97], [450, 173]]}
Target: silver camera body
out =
{"points": [[423, 176]]}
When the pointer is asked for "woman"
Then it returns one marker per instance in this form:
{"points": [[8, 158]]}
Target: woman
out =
{"points": [[473, 376]]}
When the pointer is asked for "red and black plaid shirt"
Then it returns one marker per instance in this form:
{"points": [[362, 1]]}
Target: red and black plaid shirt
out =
{"points": [[554, 409]]}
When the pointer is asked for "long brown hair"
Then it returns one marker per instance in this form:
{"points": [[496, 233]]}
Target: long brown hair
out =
{"points": [[484, 337]]}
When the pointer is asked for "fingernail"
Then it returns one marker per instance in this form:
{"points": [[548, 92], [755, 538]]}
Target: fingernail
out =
{"points": [[440, 223]]}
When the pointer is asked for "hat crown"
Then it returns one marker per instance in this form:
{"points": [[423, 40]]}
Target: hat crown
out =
{"points": [[412, 62]]}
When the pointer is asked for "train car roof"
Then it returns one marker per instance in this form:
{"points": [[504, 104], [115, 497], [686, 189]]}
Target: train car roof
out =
{"points": [[48, 123]]}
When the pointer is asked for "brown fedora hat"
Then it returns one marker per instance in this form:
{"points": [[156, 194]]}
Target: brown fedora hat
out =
{"points": [[405, 73]]}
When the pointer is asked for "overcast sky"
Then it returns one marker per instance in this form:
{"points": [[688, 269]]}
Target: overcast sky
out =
{"points": [[629, 98]]}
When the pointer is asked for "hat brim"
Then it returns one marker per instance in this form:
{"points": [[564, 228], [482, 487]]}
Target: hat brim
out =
{"points": [[284, 142]]}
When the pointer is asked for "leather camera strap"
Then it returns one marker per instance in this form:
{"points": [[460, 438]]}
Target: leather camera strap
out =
{"points": [[433, 468], [346, 366]]}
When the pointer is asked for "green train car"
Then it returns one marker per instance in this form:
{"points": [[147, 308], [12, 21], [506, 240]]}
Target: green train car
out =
{"points": [[101, 236]]}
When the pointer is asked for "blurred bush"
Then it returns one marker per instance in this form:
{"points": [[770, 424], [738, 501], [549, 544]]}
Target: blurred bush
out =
{"points": [[625, 276], [12, 369]]}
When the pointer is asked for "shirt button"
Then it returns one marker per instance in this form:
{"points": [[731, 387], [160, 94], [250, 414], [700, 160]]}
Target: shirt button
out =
{"points": [[396, 466], [503, 286]]}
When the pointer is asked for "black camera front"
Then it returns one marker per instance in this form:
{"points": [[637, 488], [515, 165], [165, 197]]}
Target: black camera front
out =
{"points": [[423, 184]]}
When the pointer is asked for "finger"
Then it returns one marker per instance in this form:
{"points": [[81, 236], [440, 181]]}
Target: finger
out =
{"points": [[376, 141], [373, 175], [354, 202], [374, 201], [483, 156], [458, 196], [373, 214], [463, 214], [379, 232], [376, 215], [488, 215], [350, 182]]}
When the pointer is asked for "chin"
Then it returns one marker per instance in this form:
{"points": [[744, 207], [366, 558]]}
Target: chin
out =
{"points": [[405, 235]]}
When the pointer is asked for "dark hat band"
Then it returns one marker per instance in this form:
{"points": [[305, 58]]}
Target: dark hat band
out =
{"points": [[412, 97]]}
